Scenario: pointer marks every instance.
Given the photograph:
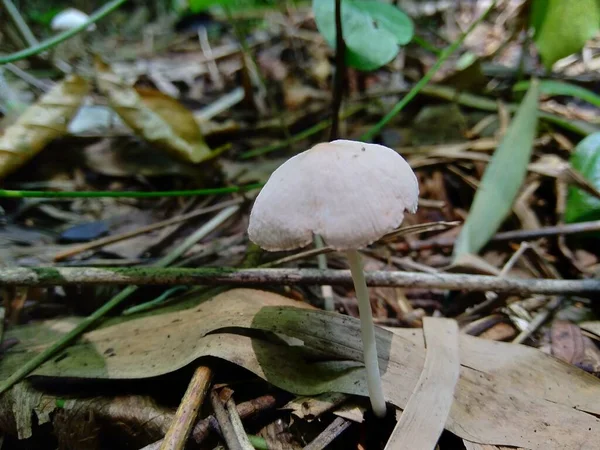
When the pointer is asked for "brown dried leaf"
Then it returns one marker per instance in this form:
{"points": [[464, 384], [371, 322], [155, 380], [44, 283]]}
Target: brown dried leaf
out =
{"points": [[571, 346], [41, 123], [156, 117], [309, 408]]}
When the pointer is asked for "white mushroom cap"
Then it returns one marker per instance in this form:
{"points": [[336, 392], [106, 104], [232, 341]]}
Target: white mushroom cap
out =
{"points": [[349, 192], [69, 19]]}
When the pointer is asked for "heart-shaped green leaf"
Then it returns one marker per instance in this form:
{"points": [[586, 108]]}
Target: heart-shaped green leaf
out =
{"points": [[373, 31], [582, 206]]}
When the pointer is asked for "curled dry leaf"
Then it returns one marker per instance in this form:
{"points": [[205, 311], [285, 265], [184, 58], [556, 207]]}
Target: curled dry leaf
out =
{"points": [[83, 422], [41, 123], [427, 410], [542, 403], [156, 117]]}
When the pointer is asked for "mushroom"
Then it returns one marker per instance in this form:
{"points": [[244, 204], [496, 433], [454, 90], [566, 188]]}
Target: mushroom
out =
{"points": [[351, 194], [70, 18]]}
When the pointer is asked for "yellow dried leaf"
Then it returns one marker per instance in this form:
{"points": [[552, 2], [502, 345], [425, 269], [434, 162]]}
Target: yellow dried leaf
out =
{"points": [[157, 118], [41, 123]]}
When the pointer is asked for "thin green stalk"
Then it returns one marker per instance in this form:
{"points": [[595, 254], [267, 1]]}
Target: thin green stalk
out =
{"points": [[89, 321], [426, 78], [426, 45], [55, 40], [5, 193]]}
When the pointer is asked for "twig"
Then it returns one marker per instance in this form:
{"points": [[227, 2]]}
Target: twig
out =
{"points": [[516, 235], [41, 85], [539, 319], [89, 321], [340, 72], [18, 21], [127, 194], [146, 229], [185, 417], [65, 276], [203, 427], [335, 428], [426, 78], [237, 425], [402, 231], [49, 43], [228, 430], [213, 69]]}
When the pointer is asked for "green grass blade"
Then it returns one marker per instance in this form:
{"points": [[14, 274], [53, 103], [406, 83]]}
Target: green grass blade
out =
{"points": [[553, 88], [502, 179]]}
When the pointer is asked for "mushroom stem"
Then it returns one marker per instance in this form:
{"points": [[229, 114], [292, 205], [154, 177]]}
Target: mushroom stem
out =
{"points": [[367, 331]]}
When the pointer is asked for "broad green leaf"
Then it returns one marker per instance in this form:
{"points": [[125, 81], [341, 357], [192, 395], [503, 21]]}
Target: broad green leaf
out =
{"points": [[582, 206], [373, 31], [552, 88], [502, 179], [563, 27]]}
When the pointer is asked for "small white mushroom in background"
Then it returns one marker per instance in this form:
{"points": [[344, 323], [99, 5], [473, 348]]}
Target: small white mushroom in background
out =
{"points": [[351, 193], [69, 19]]}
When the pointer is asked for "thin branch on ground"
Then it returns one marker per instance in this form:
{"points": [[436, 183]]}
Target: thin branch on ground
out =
{"points": [[184, 419], [65, 276], [228, 428], [245, 409], [515, 235], [335, 428]]}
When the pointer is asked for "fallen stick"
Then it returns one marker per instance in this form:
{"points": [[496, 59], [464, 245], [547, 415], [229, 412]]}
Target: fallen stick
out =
{"points": [[49, 276]]}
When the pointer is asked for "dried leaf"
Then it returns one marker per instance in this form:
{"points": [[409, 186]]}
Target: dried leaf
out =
{"points": [[309, 408], [82, 422], [41, 123], [427, 410], [537, 398], [159, 119], [571, 346]]}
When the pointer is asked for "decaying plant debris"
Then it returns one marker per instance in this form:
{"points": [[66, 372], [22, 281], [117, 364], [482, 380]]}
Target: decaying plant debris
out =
{"points": [[137, 314]]}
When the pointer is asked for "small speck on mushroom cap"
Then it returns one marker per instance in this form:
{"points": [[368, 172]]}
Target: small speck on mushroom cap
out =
{"points": [[351, 193]]}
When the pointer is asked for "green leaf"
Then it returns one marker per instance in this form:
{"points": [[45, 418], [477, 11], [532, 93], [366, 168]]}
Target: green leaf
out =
{"points": [[582, 206], [563, 27], [196, 6], [502, 179], [552, 88], [373, 31]]}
